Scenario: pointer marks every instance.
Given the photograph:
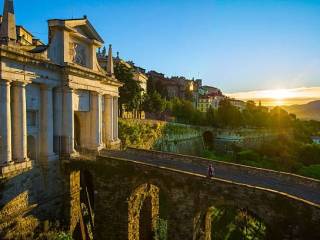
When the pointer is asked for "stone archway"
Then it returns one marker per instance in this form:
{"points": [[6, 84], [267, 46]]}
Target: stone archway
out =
{"points": [[237, 223], [143, 211], [31, 148]]}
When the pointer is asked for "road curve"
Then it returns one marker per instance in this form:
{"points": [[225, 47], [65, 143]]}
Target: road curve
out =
{"points": [[303, 191]]}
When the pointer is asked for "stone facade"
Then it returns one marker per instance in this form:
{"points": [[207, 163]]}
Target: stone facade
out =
{"points": [[55, 102]]}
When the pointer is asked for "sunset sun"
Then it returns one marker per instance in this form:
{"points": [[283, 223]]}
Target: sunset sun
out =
{"points": [[278, 96]]}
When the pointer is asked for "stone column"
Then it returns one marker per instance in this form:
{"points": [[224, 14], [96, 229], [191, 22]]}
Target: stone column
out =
{"points": [[96, 121], [67, 141], [115, 119], [108, 119], [57, 119], [5, 121], [46, 123], [19, 120]]}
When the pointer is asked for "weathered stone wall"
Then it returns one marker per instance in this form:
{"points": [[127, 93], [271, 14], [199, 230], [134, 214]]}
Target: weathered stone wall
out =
{"points": [[189, 196], [162, 136], [32, 201]]}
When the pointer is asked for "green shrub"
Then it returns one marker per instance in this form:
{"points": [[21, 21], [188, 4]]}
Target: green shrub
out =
{"points": [[248, 155], [312, 171]]}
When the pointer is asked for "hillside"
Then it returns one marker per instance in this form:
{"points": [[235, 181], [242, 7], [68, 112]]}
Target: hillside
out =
{"points": [[310, 110]]}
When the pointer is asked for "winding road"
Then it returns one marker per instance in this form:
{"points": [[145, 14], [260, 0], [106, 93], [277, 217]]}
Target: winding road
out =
{"points": [[295, 186]]}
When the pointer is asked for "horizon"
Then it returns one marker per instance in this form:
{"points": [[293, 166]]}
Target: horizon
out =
{"points": [[237, 46]]}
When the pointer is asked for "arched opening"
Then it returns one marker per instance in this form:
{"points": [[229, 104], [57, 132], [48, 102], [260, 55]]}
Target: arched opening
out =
{"points": [[31, 147], [232, 223], [143, 212], [208, 139], [87, 202], [77, 136], [145, 223]]}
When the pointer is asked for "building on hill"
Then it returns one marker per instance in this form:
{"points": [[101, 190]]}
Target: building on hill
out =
{"points": [[210, 90], [316, 139], [139, 75], [211, 100], [174, 87], [56, 103], [238, 103]]}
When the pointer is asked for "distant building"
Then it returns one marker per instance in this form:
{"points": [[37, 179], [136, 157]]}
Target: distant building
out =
{"points": [[139, 74], [209, 101], [175, 87], [316, 139], [210, 90], [238, 103]]}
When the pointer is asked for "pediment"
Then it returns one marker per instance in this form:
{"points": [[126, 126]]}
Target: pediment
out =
{"points": [[84, 27]]}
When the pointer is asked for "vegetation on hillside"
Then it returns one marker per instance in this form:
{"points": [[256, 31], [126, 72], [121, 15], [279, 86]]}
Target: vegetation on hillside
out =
{"points": [[146, 134], [285, 153]]}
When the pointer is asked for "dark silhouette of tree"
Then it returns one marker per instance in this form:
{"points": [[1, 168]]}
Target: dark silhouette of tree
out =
{"points": [[130, 92]]}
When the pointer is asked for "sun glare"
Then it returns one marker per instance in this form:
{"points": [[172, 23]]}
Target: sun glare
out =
{"points": [[280, 94]]}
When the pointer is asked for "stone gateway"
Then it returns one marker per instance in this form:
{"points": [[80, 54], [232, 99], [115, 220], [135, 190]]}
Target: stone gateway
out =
{"points": [[55, 102]]}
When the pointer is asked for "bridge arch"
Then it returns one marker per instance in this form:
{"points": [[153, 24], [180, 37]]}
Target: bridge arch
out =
{"points": [[237, 223], [143, 212]]}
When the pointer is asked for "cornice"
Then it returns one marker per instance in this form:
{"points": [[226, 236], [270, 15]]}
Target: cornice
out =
{"points": [[16, 54]]}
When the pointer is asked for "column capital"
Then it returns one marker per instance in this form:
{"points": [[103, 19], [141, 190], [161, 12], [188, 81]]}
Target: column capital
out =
{"points": [[95, 93], [46, 87], [68, 89], [108, 96], [19, 84], [5, 83]]}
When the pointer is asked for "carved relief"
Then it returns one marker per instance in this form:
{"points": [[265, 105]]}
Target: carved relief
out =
{"points": [[78, 54]]}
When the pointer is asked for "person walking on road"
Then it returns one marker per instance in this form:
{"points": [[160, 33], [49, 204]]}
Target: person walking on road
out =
{"points": [[210, 171]]}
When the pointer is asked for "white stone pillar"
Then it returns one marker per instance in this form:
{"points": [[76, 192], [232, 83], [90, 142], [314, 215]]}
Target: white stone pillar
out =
{"points": [[115, 119], [57, 119], [96, 121], [108, 119], [67, 140], [19, 120], [46, 123], [5, 121]]}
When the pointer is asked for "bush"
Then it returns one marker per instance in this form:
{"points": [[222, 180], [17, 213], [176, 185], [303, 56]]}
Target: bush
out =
{"points": [[248, 155], [309, 154], [312, 171]]}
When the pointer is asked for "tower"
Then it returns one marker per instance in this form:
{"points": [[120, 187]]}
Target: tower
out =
{"points": [[8, 34]]}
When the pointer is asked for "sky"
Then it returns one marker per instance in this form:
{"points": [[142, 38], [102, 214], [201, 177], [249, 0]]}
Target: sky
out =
{"points": [[239, 46]]}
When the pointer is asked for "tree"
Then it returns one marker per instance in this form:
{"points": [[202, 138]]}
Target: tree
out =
{"points": [[130, 92], [228, 115], [104, 51], [153, 103], [211, 117]]}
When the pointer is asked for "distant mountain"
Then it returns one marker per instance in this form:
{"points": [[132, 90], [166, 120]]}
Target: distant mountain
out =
{"points": [[308, 111]]}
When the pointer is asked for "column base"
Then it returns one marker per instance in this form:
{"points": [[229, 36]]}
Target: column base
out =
{"points": [[114, 145], [22, 160], [13, 169]]}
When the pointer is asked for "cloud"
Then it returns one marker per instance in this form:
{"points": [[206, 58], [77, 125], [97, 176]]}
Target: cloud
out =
{"points": [[280, 96]]}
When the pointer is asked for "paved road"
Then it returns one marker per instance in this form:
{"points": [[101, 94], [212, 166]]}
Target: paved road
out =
{"points": [[298, 190]]}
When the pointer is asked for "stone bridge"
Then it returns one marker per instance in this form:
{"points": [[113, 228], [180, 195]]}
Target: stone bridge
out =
{"points": [[129, 191]]}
